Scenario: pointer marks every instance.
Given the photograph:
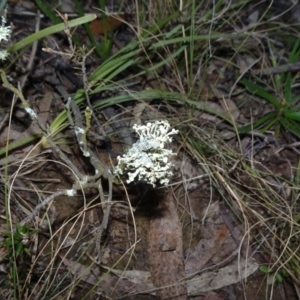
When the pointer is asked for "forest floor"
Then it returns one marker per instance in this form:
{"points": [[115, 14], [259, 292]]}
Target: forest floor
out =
{"points": [[225, 75]]}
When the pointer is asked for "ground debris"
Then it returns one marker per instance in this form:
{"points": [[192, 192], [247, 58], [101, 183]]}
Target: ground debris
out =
{"points": [[166, 250]]}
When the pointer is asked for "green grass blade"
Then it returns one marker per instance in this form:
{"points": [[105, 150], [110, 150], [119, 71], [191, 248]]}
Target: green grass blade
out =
{"points": [[158, 26], [18, 144], [188, 39], [261, 121], [149, 95], [47, 10], [87, 28], [296, 98], [288, 89], [291, 126], [295, 53], [113, 74], [171, 57], [292, 114], [110, 65], [259, 91], [48, 31]]}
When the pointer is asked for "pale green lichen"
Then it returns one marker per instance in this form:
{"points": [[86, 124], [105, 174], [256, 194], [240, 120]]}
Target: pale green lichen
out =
{"points": [[71, 193], [5, 33], [148, 160]]}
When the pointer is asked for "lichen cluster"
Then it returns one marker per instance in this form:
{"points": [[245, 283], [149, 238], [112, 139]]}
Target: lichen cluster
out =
{"points": [[148, 160], [5, 32]]}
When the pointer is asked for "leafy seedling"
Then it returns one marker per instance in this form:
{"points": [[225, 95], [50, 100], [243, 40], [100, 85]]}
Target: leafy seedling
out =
{"points": [[16, 251], [16, 243]]}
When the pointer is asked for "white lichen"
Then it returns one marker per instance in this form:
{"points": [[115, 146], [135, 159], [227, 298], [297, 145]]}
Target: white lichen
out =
{"points": [[84, 181], [85, 153], [78, 130], [5, 33], [71, 193], [31, 113], [3, 54], [148, 160]]}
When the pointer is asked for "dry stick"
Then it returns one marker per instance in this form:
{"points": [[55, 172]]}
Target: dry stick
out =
{"points": [[33, 51], [4, 121], [82, 63], [100, 170], [106, 213], [87, 89], [35, 119], [293, 67], [41, 205]]}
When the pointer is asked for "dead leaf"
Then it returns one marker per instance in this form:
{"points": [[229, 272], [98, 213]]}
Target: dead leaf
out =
{"points": [[135, 276], [214, 280], [108, 283], [134, 282], [111, 23], [215, 233], [165, 250], [245, 63], [212, 296], [42, 110]]}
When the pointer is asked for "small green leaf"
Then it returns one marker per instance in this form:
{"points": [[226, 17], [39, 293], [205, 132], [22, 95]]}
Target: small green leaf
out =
{"points": [[8, 243], [19, 249], [278, 278], [285, 273], [264, 269]]}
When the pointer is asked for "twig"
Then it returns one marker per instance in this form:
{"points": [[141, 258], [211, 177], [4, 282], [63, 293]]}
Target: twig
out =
{"points": [[41, 205], [293, 67], [33, 50], [85, 181]]}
